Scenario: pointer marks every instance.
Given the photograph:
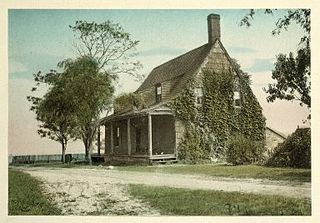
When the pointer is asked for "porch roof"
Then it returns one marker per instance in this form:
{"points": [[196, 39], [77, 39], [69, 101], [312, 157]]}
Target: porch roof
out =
{"points": [[159, 109]]}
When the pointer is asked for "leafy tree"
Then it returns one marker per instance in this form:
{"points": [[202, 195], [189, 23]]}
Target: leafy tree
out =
{"points": [[85, 87], [109, 45], [91, 92], [293, 78], [129, 101], [113, 50], [54, 110], [292, 73]]}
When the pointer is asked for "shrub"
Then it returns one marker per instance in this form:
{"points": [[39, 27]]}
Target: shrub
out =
{"points": [[190, 148], [243, 151], [295, 151]]}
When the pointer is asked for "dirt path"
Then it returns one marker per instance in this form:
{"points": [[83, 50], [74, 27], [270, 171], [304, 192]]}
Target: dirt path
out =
{"points": [[101, 191]]}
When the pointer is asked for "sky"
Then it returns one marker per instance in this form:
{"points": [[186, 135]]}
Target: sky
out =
{"points": [[39, 39]]}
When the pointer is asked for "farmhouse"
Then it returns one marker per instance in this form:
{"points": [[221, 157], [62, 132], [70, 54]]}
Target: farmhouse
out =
{"points": [[154, 131]]}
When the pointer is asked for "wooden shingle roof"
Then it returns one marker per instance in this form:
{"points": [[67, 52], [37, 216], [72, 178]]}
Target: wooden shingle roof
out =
{"points": [[180, 68]]}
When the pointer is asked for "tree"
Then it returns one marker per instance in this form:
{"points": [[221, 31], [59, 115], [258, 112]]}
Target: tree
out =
{"points": [[54, 110], [292, 73], [293, 78], [129, 101], [112, 49], [90, 90], [109, 45]]}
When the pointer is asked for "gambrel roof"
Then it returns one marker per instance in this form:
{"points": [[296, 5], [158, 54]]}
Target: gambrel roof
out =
{"points": [[183, 65], [182, 68]]}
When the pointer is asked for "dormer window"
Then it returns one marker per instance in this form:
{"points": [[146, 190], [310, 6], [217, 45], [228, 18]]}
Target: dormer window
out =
{"points": [[199, 95], [236, 99], [158, 93]]}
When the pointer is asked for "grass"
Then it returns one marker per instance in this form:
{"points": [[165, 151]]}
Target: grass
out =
{"points": [[213, 170], [219, 170], [172, 201], [26, 196]]}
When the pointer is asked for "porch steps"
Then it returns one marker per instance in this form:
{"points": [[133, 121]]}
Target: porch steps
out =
{"points": [[163, 159], [163, 162]]}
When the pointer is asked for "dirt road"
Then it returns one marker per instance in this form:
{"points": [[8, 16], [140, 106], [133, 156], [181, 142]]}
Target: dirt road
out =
{"points": [[103, 191]]}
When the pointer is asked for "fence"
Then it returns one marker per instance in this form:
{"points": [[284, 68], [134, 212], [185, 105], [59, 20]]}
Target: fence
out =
{"points": [[45, 158]]}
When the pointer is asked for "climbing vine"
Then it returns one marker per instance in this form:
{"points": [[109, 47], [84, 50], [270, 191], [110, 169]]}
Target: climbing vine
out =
{"points": [[210, 126]]}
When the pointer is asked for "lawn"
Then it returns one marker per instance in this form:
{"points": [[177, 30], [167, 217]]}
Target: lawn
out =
{"points": [[216, 170], [26, 196], [172, 201]]}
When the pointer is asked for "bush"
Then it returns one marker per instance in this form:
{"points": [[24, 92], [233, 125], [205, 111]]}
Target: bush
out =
{"points": [[243, 151], [295, 151], [190, 148]]}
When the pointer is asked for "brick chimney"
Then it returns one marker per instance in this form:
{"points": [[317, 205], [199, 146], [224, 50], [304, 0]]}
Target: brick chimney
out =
{"points": [[213, 28]]}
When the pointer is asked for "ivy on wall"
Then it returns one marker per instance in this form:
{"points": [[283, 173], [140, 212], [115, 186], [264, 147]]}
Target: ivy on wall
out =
{"points": [[210, 126]]}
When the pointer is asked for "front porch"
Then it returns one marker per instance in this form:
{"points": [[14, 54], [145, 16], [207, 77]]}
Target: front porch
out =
{"points": [[142, 137]]}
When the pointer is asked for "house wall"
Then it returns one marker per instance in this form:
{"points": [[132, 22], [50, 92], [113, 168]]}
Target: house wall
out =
{"points": [[179, 127], [272, 140], [122, 147], [163, 134], [216, 61]]}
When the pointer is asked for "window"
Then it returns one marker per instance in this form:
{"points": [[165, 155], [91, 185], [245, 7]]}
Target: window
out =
{"points": [[199, 95], [117, 138], [236, 93], [158, 93], [236, 99], [118, 132]]}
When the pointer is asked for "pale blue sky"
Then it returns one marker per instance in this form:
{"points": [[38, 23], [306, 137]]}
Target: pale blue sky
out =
{"points": [[39, 39]]}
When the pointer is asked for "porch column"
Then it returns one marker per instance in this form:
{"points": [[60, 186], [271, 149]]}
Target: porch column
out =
{"points": [[99, 146], [129, 136], [150, 134], [111, 139]]}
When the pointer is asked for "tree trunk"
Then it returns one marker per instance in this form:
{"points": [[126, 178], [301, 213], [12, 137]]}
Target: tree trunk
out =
{"points": [[89, 153], [90, 158], [88, 140], [86, 151], [85, 143], [63, 152]]}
